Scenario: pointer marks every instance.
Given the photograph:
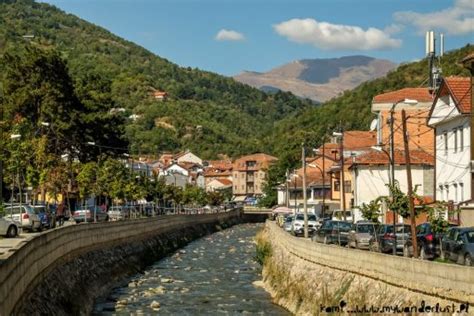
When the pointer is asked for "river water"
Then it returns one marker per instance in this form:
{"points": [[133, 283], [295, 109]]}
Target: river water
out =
{"points": [[210, 276]]}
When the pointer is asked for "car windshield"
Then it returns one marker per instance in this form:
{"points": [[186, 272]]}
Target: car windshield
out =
{"points": [[39, 209], [400, 229], [289, 219], [311, 217], [345, 225], [365, 228]]}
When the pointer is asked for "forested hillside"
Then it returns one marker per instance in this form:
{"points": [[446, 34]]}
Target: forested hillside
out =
{"points": [[205, 112]]}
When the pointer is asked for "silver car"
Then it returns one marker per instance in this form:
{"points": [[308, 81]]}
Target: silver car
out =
{"points": [[25, 215], [360, 234], [8, 227], [288, 224]]}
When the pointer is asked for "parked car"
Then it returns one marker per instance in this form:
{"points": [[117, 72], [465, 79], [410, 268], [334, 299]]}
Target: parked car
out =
{"points": [[333, 232], [89, 214], [44, 215], [25, 215], [288, 224], [9, 227], [384, 238], [298, 224], [428, 243], [118, 213], [360, 234], [458, 245]]}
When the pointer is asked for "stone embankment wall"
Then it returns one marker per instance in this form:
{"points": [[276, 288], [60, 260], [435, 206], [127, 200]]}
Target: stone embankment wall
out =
{"points": [[307, 277], [62, 272]]}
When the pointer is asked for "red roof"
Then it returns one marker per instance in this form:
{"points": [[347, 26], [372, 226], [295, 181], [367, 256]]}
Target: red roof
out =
{"points": [[226, 182], [359, 140], [460, 90], [419, 94], [263, 161], [373, 157]]}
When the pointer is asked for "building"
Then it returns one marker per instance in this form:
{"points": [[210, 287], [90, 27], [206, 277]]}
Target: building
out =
{"points": [[159, 95], [450, 116], [187, 157], [248, 175], [318, 191], [371, 176], [421, 135], [219, 185], [355, 143], [217, 170]]}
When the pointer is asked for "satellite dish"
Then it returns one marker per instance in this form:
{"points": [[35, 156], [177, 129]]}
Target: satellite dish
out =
{"points": [[374, 124]]}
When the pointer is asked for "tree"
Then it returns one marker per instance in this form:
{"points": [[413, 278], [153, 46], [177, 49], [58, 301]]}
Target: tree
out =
{"points": [[372, 211]]}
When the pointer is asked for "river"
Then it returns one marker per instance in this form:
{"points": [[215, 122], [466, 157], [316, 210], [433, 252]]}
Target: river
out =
{"points": [[210, 276]]}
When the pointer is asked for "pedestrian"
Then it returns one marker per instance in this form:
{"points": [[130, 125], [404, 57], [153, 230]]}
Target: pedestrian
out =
{"points": [[60, 214]]}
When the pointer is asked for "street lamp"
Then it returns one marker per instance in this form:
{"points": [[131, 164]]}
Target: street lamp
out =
{"points": [[16, 137], [342, 180], [392, 158]]}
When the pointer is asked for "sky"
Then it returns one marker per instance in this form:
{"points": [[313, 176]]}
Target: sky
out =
{"points": [[229, 36]]}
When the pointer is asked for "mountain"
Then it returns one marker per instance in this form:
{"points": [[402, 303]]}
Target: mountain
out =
{"points": [[319, 79], [205, 112]]}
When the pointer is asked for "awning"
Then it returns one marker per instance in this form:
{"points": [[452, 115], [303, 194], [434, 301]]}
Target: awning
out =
{"points": [[240, 198], [282, 210]]}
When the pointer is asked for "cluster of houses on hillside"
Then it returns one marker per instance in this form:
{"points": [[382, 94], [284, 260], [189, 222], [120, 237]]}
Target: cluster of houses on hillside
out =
{"points": [[243, 178], [438, 124]]}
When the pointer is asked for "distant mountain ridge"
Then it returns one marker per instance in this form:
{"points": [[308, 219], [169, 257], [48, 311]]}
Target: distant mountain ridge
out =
{"points": [[319, 79]]}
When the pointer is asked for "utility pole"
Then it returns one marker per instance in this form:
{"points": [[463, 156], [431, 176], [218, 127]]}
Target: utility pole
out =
{"points": [[287, 189], [392, 172], [343, 193], [305, 206], [324, 183], [410, 186]]}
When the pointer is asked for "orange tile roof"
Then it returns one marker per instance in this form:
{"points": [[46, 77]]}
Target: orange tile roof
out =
{"points": [[419, 94], [220, 164], [217, 173], [460, 90], [359, 140], [262, 161], [373, 157], [225, 181]]}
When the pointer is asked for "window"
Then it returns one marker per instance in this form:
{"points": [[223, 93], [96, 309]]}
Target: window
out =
{"points": [[461, 139], [347, 186], [337, 186], [235, 187], [455, 138], [461, 192], [243, 187], [445, 140]]}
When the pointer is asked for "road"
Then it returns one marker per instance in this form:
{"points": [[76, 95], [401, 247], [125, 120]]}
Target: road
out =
{"points": [[10, 244]]}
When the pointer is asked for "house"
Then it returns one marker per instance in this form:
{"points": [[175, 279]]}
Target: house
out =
{"points": [[450, 116], [291, 193], [160, 95], [187, 157], [371, 176], [218, 185], [174, 168], [217, 169], [248, 175], [355, 143], [421, 135]]}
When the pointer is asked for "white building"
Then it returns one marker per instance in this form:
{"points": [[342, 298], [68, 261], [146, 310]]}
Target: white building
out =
{"points": [[450, 116], [188, 157], [371, 176]]}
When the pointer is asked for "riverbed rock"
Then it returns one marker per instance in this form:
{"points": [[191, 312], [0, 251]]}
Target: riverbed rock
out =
{"points": [[155, 305], [132, 284], [122, 302], [166, 280]]}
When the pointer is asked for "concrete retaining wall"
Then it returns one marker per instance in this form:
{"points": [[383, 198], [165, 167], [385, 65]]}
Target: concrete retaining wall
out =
{"points": [[29, 265], [448, 281]]}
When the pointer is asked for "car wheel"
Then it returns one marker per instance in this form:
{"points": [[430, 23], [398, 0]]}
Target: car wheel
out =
{"points": [[406, 251], [468, 260], [12, 231]]}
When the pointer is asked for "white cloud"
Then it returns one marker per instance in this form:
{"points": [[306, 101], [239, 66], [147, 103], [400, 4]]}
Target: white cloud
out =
{"points": [[229, 35], [455, 20], [335, 36]]}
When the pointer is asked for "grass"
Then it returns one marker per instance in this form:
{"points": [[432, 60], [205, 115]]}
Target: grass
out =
{"points": [[263, 248]]}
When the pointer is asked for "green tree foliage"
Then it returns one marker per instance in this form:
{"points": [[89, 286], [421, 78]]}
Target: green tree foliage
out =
{"points": [[372, 211]]}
